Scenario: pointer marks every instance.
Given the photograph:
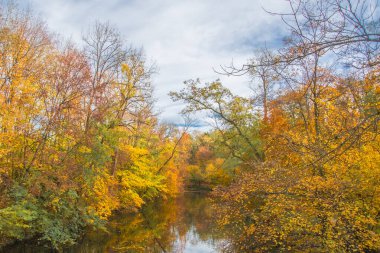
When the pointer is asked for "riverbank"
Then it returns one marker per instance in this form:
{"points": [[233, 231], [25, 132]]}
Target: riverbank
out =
{"points": [[183, 224]]}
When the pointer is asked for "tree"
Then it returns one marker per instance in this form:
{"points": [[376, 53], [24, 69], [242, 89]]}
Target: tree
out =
{"points": [[266, 75], [234, 116], [79, 138], [346, 30], [310, 189]]}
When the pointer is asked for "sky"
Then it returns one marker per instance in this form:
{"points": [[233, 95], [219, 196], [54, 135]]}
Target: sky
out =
{"points": [[186, 39]]}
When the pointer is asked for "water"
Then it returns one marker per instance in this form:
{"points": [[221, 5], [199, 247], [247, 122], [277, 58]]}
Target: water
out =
{"points": [[183, 225]]}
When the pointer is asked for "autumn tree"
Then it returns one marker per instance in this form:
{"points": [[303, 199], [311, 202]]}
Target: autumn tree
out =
{"points": [[79, 136], [312, 184]]}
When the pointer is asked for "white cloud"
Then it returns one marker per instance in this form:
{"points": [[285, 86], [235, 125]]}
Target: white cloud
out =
{"points": [[185, 38]]}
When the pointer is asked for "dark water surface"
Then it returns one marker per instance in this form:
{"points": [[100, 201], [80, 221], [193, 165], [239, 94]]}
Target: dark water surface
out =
{"points": [[183, 225]]}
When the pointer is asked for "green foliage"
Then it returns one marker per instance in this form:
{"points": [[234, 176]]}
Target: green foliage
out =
{"points": [[16, 220]]}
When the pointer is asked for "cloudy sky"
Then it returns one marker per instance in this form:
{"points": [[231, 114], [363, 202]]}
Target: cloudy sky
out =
{"points": [[185, 38]]}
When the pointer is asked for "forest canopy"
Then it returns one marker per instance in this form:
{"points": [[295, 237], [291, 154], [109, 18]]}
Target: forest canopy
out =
{"points": [[293, 167]]}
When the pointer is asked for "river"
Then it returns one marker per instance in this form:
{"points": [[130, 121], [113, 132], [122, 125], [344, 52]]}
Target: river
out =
{"points": [[181, 225]]}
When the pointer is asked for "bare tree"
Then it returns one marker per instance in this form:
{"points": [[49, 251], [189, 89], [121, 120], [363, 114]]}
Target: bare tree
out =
{"points": [[105, 53], [267, 76], [347, 31]]}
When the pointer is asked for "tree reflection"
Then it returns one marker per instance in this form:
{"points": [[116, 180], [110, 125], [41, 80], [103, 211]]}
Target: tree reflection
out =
{"points": [[165, 226], [184, 224]]}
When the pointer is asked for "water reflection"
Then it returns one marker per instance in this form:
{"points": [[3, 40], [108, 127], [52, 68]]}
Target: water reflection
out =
{"points": [[181, 225]]}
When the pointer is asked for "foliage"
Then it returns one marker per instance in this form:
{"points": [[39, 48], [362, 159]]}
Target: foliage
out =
{"points": [[78, 135], [308, 156]]}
